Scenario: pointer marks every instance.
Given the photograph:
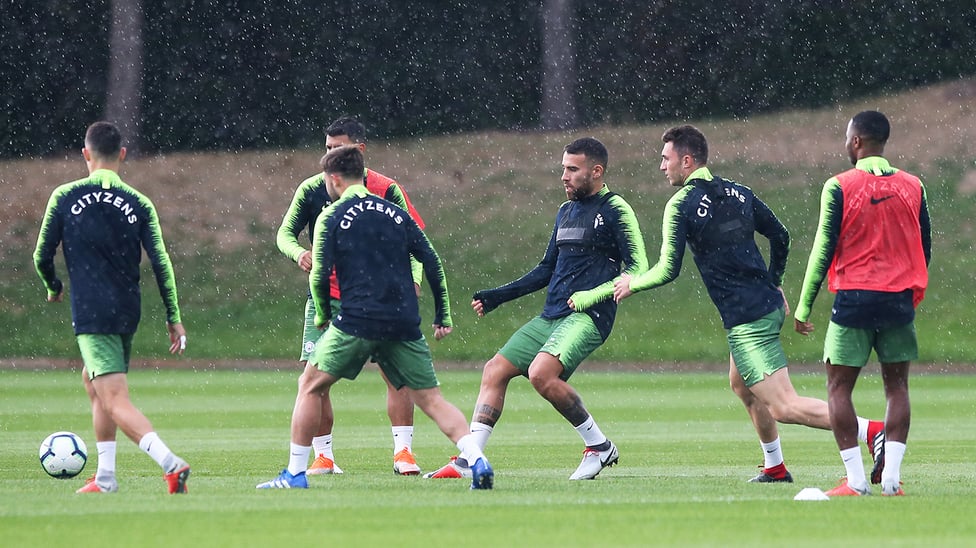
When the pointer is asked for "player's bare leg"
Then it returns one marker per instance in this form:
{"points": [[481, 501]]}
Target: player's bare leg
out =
{"points": [[599, 452]]}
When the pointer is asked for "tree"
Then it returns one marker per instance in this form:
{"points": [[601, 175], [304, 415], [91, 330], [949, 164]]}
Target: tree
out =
{"points": [[123, 102], [558, 66]]}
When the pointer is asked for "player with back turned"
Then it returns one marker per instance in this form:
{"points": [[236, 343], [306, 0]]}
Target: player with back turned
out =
{"points": [[102, 225], [307, 204], [369, 242]]}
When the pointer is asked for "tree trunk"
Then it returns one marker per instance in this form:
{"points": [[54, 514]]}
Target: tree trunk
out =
{"points": [[558, 66], [124, 92]]}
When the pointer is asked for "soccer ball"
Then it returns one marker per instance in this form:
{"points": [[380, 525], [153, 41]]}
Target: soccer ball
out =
{"points": [[63, 455]]}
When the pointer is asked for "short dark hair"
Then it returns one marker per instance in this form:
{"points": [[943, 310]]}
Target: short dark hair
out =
{"points": [[591, 148], [103, 139], [688, 140], [349, 126], [872, 126], [345, 161]]}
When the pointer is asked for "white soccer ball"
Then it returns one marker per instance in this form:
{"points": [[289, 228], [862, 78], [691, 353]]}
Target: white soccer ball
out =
{"points": [[63, 455]]}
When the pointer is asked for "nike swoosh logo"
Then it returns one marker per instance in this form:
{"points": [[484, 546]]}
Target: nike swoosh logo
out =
{"points": [[876, 201], [770, 450]]}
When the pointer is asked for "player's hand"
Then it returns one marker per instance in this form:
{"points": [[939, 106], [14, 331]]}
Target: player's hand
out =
{"points": [[803, 328], [479, 307], [177, 338], [621, 288], [55, 298], [416, 289], [305, 261], [441, 331], [786, 303]]}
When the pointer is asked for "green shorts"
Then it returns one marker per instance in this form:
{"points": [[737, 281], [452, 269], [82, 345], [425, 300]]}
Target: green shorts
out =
{"points": [[571, 339], [310, 333], [405, 363], [756, 348], [851, 346], [104, 354]]}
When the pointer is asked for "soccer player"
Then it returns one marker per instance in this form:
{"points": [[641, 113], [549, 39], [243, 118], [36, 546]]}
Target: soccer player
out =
{"points": [[718, 220], [873, 244], [596, 234], [305, 207], [102, 225], [369, 241]]}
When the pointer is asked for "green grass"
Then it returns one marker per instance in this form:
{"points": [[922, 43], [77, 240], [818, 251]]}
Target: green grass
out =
{"points": [[685, 442]]}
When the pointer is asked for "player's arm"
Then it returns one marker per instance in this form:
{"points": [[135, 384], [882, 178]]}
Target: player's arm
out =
{"points": [[822, 253], [770, 226], [486, 300], [396, 194], [668, 267], [294, 221], [925, 225], [323, 259], [421, 249], [48, 240], [630, 245], [152, 241]]}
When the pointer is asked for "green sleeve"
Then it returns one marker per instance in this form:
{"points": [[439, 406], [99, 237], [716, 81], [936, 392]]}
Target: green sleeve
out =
{"points": [[630, 242], [824, 245], [673, 240], [424, 252], [47, 245], [295, 220], [152, 241], [323, 259]]}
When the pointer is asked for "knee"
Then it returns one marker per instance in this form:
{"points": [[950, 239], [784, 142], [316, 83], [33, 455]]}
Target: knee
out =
{"points": [[542, 381], [497, 372]]}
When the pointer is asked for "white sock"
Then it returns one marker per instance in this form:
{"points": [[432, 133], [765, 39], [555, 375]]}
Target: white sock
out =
{"points": [[298, 458], [772, 453], [323, 446], [480, 433], [402, 438], [471, 450], [855, 468], [894, 454], [106, 461], [157, 450], [590, 432], [862, 429]]}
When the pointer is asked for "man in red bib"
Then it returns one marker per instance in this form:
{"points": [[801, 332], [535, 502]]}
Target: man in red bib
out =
{"points": [[873, 244]]}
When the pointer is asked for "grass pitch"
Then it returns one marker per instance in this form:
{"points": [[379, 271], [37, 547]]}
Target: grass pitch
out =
{"points": [[686, 451]]}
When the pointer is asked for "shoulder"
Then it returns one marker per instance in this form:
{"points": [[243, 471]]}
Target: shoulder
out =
{"points": [[312, 182], [378, 179]]}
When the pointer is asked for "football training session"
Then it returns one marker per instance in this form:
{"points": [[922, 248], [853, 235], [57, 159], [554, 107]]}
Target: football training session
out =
{"points": [[594, 313]]}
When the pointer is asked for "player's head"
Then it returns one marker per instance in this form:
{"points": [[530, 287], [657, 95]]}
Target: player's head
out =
{"points": [[685, 150], [103, 140], [584, 163], [592, 148], [343, 166], [347, 130], [867, 133]]}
